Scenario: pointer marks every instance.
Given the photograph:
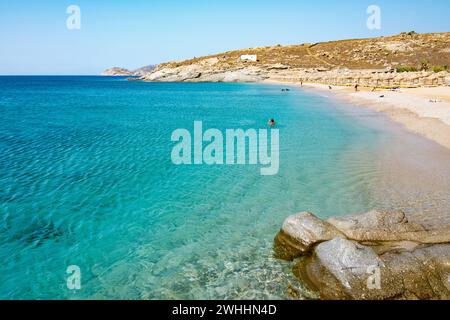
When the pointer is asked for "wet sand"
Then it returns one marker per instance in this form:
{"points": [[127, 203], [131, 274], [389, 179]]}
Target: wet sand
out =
{"points": [[414, 169], [425, 111]]}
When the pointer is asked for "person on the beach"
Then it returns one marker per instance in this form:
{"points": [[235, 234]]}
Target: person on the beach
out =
{"points": [[356, 87], [271, 123], [329, 87]]}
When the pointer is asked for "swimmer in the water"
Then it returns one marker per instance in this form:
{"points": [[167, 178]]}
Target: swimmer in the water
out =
{"points": [[271, 123]]}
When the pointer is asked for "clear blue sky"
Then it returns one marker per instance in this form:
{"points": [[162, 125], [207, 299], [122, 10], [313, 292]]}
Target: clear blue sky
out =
{"points": [[34, 38]]}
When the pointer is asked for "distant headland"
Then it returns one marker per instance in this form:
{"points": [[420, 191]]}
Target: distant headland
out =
{"points": [[408, 59]]}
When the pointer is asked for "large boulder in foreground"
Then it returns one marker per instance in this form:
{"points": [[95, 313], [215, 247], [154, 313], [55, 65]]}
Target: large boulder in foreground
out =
{"points": [[343, 269], [299, 233], [376, 255], [425, 272], [387, 226]]}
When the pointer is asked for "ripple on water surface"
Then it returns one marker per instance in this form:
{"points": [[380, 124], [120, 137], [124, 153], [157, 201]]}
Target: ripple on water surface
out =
{"points": [[87, 180]]}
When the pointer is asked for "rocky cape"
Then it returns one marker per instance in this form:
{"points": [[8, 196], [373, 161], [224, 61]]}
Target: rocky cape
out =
{"points": [[367, 62], [343, 257]]}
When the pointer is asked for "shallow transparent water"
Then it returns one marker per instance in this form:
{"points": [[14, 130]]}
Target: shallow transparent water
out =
{"points": [[86, 179]]}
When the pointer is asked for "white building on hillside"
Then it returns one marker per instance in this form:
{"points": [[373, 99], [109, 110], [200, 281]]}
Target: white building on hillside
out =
{"points": [[249, 57]]}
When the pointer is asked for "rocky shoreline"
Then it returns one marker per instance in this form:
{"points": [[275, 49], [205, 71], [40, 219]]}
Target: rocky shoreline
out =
{"points": [[375, 255], [404, 60], [207, 71]]}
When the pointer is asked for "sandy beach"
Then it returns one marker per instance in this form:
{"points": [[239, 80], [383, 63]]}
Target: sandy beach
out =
{"points": [[425, 111]]}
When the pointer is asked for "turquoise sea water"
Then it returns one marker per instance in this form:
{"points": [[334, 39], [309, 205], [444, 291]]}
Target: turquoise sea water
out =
{"points": [[86, 179]]}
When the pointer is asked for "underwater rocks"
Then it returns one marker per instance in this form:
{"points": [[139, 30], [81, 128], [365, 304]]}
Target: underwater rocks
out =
{"points": [[376, 255]]}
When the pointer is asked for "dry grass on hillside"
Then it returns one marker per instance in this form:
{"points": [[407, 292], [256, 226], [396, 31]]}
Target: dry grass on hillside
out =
{"points": [[406, 49]]}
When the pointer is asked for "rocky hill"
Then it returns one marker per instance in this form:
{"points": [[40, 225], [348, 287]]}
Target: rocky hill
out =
{"points": [[424, 56], [144, 70]]}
